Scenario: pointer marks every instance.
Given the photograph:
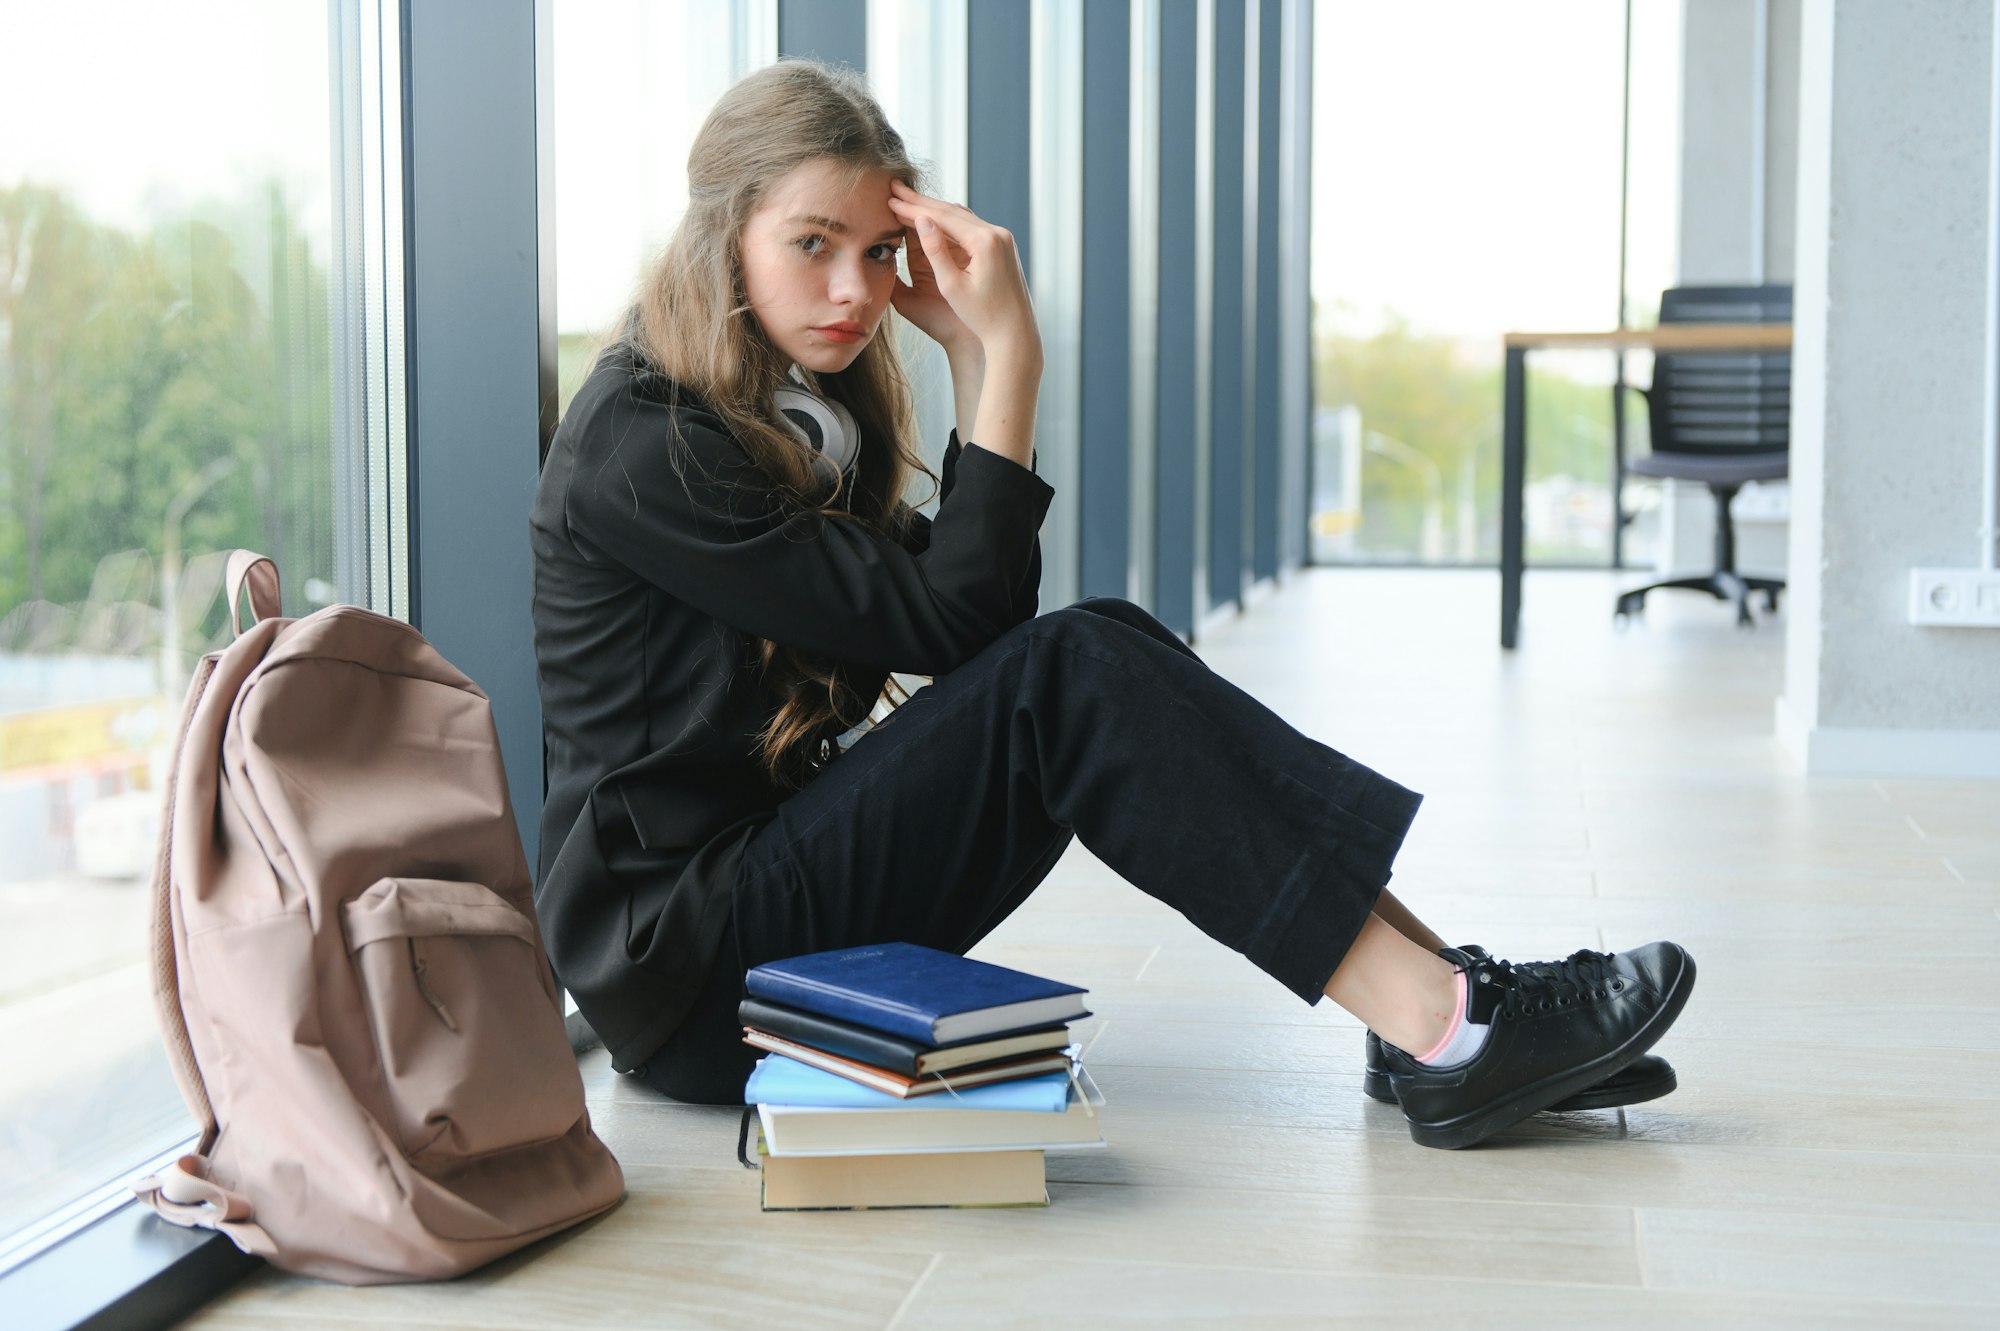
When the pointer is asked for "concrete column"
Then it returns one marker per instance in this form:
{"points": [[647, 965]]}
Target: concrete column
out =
{"points": [[1888, 429]]}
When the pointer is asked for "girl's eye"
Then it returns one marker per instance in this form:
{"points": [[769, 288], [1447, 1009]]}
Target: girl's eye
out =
{"points": [[811, 244], [884, 253]]}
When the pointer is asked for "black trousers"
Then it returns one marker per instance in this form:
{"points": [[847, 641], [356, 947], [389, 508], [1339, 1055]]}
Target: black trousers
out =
{"points": [[1095, 721]]}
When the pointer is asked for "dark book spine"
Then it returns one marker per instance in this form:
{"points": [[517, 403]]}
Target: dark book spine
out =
{"points": [[836, 1037]]}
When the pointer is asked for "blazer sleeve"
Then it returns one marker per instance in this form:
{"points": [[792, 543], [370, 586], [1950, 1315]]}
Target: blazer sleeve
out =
{"points": [[917, 536], [666, 493]]}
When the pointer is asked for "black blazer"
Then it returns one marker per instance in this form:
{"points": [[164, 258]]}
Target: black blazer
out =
{"points": [[656, 561]]}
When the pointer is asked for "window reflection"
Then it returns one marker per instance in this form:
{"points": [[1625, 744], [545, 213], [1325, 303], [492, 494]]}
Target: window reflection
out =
{"points": [[633, 80], [165, 396]]}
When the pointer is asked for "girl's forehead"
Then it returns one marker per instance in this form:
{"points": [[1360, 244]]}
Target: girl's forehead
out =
{"points": [[832, 191]]}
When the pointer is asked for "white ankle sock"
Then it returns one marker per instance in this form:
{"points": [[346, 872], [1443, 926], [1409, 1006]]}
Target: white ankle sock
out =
{"points": [[1463, 1040]]}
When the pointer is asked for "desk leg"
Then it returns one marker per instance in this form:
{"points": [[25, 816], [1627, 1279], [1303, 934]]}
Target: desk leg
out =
{"points": [[1513, 477]]}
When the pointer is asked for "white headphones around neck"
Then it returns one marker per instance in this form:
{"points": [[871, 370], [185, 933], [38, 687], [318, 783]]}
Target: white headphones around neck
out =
{"points": [[821, 424]]}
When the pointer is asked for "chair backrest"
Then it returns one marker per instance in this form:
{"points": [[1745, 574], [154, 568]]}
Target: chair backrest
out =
{"points": [[1723, 403]]}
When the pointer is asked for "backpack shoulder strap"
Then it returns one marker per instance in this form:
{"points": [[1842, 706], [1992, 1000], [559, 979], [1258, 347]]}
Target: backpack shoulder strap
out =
{"points": [[166, 909], [259, 573]]}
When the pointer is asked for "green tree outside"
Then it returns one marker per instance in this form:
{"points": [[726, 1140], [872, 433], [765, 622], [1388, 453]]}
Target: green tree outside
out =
{"points": [[137, 369], [1441, 398]]}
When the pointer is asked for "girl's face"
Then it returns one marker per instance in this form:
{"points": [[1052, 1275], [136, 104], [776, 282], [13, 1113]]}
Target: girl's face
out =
{"points": [[819, 263]]}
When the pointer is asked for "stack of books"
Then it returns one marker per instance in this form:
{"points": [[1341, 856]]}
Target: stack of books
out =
{"points": [[898, 1075]]}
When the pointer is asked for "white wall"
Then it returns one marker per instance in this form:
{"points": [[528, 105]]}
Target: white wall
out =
{"points": [[1895, 184]]}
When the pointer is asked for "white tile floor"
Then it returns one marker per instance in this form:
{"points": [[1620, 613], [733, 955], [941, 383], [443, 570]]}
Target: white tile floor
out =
{"points": [[1832, 1156]]}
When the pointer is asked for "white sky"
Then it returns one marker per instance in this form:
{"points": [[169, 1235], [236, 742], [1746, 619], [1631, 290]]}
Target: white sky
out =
{"points": [[1466, 172], [141, 110]]}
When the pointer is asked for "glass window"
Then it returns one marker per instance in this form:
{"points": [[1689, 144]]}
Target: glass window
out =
{"points": [[633, 80], [1056, 263], [173, 321], [916, 69], [1464, 185]]}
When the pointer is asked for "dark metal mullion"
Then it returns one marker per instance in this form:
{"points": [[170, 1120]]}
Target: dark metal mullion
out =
{"points": [[473, 209], [1226, 309], [997, 119], [1267, 339], [1513, 469], [547, 341], [834, 31], [1619, 518], [411, 535], [1104, 439], [1174, 380]]}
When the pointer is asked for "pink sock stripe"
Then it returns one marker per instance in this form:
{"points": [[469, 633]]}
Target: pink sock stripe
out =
{"points": [[1457, 1020]]}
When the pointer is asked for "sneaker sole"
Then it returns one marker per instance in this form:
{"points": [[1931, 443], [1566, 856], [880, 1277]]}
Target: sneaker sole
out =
{"points": [[1472, 1128], [1377, 1086]]}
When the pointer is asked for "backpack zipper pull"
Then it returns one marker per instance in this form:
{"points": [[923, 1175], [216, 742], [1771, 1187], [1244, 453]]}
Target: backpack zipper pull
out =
{"points": [[417, 968]]}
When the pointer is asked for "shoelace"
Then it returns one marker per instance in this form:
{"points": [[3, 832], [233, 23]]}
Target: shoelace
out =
{"points": [[1547, 986]]}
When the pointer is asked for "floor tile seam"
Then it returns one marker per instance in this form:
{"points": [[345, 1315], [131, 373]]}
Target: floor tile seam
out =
{"points": [[1808, 1298], [1862, 1091], [1442, 1199], [1816, 1211], [261, 1314], [1868, 1094], [985, 1246], [1807, 1047], [910, 1295], [1957, 1222], [1250, 1193], [1903, 1299], [1761, 1150], [1818, 1208], [1358, 1272], [1768, 1149], [979, 1246]]}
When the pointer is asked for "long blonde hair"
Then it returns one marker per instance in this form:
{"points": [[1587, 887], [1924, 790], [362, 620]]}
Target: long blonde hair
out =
{"points": [[693, 322]]}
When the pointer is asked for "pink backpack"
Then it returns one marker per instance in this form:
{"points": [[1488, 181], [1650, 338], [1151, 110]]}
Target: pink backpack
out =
{"points": [[346, 963]]}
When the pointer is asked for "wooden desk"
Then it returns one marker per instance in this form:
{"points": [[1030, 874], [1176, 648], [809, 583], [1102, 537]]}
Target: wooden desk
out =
{"points": [[1514, 420]]}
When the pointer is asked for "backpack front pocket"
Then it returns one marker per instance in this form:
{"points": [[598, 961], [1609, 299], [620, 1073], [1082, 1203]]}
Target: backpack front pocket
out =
{"points": [[466, 1021]]}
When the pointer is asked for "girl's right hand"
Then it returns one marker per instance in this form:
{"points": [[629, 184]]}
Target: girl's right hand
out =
{"points": [[977, 271]]}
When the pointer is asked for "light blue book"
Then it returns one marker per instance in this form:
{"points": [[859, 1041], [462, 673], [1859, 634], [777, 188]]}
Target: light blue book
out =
{"points": [[777, 1080]]}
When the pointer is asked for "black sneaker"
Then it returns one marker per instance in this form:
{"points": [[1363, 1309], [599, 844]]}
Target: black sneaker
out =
{"points": [[1646, 1078], [1558, 1028]]}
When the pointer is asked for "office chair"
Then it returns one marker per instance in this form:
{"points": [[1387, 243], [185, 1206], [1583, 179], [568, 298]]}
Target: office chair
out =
{"points": [[1723, 418]]}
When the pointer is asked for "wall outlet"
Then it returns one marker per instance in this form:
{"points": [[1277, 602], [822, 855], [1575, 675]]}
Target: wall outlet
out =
{"points": [[1955, 597]]}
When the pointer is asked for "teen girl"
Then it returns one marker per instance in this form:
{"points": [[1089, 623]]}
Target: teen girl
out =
{"points": [[726, 572]]}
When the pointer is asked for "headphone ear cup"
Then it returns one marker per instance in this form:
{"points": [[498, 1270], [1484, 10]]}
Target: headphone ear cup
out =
{"points": [[826, 427]]}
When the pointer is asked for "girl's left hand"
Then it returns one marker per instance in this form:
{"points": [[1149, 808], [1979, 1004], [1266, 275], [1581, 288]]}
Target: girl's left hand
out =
{"points": [[921, 302], [973, 294]]}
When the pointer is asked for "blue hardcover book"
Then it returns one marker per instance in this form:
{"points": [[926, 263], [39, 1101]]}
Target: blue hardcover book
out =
{"points": [[916, 992], [777, 1080]]}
